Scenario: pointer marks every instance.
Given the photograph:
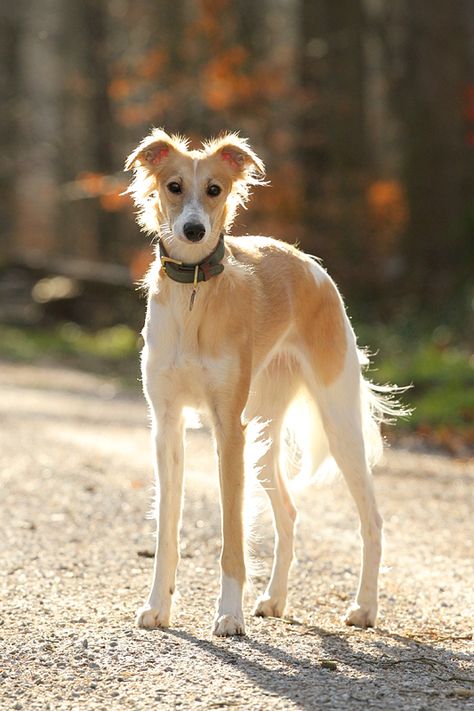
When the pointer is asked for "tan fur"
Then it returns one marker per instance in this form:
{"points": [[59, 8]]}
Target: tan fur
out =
{"points": [[280, 296], [320, 319], [272, 319]]}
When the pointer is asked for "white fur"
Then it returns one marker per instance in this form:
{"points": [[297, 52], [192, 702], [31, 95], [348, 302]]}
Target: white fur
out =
{"points": [[340, 426], [320, 275], [229, 619]]}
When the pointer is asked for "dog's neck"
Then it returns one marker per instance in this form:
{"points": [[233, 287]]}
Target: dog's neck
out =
{"points": [[185, 273], [188, 273]]}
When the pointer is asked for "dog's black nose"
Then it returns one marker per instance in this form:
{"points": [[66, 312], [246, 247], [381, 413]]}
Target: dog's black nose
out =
{"points": [[194, 231]]}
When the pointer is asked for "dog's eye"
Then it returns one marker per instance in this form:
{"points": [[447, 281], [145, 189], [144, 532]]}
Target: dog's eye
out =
{"points": [[214, 190], [174, 188]]}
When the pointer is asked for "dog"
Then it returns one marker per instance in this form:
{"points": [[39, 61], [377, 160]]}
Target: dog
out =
{"points": [[241, 327]]}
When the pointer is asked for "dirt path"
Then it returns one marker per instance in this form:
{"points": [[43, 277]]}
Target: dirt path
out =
{"points": [[75, 482]]}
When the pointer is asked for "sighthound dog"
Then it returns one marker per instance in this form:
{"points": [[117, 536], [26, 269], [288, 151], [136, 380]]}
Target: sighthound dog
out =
{"points": [[240, 326]]}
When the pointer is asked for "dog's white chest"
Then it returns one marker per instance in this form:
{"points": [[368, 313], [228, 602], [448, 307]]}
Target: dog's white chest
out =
{"points": [[173, 361], [166, 338]]}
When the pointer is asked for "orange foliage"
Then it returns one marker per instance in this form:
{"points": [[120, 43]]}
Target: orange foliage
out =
{"points": [[222, 85], [139, 113], [209, 22], [151, 64], [114, 201], [119, 89], [388, 214], [107, 188], [139, 263], [91, 183], [387, 202], [227, 81], [122, 89]]}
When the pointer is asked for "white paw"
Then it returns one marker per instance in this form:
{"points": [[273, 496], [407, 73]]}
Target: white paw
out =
{"points": [[228, 625], [361, 616], [150, 618], [267, 606]]}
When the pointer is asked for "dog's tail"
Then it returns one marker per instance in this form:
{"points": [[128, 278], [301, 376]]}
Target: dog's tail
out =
{"points": [[306, 455]]}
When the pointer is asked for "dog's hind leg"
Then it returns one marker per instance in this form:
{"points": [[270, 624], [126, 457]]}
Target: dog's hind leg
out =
{"points": [[332, 373], [340, 407], [270, 403]]}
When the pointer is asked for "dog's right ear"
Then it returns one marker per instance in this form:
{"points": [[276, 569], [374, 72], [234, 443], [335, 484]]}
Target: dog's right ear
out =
{"points": [[152, 152]]}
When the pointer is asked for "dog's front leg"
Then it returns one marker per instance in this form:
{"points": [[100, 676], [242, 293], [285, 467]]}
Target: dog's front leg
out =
{"points": [[229, 618], [168, 432]]}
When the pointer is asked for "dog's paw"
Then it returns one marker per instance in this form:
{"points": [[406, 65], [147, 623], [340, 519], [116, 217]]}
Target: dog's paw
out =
{"points": [[228, 625], [149, 618], [267, 606], [360, 616]]}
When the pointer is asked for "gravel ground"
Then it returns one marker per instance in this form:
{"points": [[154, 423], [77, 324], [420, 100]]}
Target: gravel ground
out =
{"points": [[75, 550]]}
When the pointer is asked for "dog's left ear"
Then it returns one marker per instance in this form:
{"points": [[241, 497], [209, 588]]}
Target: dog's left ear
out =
{"points": [[154, 150], [238, 157]]}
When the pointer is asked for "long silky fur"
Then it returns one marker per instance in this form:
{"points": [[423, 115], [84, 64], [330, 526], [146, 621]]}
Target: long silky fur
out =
{"points": [[306, 458]]}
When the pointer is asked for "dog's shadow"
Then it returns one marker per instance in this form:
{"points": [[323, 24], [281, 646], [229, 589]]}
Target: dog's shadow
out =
{"points": [[336, 671]]}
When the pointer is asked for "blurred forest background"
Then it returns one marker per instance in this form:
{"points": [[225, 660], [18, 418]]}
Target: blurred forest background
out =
{"points": [[363, 111]]}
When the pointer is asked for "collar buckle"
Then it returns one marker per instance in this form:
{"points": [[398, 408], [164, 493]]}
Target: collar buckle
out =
{"points": [[169, 259]]}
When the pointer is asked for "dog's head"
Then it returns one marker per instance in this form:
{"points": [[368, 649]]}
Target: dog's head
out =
{"points": [[189, 197]]}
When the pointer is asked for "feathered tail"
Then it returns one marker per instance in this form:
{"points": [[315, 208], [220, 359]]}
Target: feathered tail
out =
{"points": [[306, 455]]}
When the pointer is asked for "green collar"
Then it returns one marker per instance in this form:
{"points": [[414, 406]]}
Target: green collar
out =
{"points": [[193, 273]]}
